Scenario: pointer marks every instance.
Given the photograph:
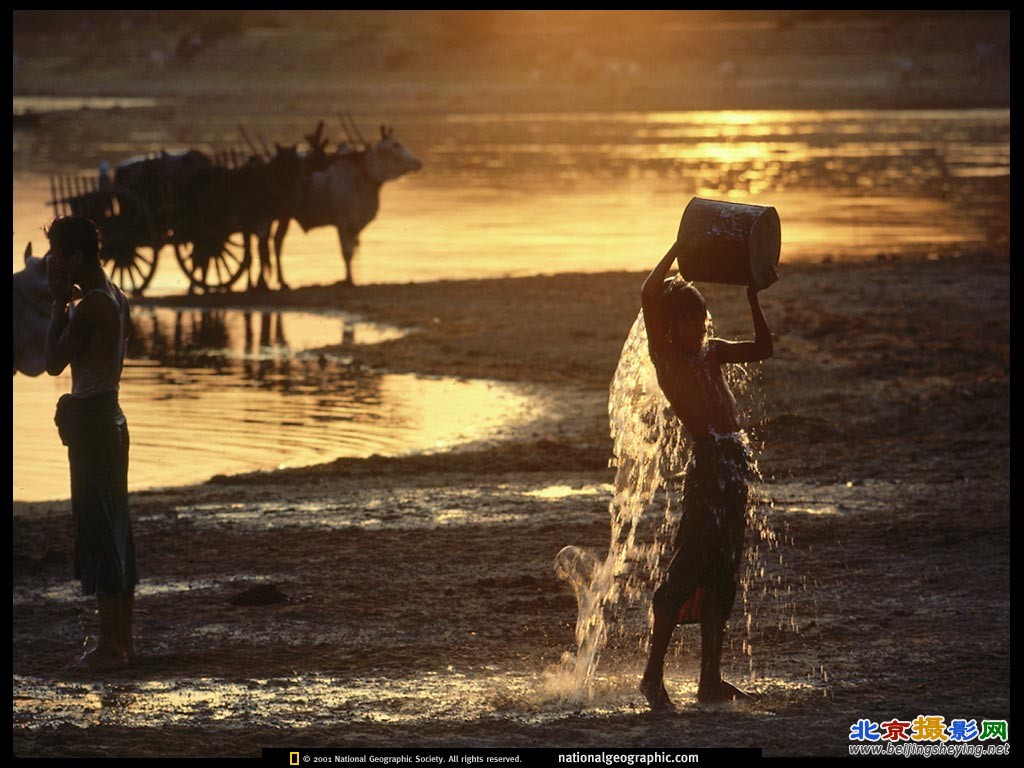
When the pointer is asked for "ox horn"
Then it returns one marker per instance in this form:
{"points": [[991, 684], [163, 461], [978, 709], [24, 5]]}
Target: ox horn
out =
{"points": [[252, 147], [315, 139], [348, 131], [355, 128], [263, 143]]}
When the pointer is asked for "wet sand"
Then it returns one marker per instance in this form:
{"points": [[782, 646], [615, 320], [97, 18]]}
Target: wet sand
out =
{"points": [[422, 608]]}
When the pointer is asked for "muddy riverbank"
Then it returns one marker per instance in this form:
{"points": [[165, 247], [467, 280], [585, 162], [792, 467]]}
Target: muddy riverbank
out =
{"points": [[412, 601]]}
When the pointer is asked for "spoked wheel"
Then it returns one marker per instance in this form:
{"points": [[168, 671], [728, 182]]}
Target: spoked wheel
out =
{"points": [[131, 269], [212, 266], [128, 228]]}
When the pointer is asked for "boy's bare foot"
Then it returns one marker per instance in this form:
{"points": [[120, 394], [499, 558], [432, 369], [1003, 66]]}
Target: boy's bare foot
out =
{"points": [[657, 696], [723, 692], [101, 661]]}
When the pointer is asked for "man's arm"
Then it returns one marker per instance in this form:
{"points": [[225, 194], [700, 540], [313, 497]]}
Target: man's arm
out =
{"points": [[650, 300], [67, 338], [761, 348], [61, 344], [57, 349]]}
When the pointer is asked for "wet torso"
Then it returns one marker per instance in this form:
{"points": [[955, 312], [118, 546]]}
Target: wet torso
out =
{"points": [[96, 368], [696, 389]]}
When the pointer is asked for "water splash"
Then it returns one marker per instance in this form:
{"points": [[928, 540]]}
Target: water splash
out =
{"points": [[438, 698], [650, 452]]}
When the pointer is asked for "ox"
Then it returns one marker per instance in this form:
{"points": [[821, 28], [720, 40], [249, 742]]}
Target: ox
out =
{"points": [[345, 193], [247, 199], [31, 303]]}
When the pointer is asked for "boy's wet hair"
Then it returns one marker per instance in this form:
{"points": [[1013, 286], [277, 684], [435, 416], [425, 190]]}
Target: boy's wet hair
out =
{"points": [[75, 233], [681, 298]]}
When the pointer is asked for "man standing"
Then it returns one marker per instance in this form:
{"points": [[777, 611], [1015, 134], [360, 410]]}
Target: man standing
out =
{"points": [[88, 331]]}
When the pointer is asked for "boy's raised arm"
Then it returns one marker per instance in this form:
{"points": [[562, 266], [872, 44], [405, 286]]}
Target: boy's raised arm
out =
{"points": [[650, 300], [761, 348]]}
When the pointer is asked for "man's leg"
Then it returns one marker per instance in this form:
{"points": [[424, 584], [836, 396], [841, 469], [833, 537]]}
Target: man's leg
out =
{"points": [[126, 608], [108, 653]]}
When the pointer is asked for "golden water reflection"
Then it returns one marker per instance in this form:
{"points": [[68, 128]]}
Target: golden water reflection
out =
{"points": [[508, 194], [224, 392]]}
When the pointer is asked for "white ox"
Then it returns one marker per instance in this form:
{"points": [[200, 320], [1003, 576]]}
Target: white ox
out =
{"points": [[31, 303], [346, 194]]}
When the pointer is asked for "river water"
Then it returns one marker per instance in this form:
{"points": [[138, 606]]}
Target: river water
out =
{"points": [[221, 392], [521, 194], [498, 195]]}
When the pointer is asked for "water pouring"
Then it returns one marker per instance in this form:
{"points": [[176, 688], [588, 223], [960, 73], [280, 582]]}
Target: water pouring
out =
{"points": [[671, 406]]}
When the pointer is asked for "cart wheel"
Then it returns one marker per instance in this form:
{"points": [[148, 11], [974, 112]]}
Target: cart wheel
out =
{"points": [[129, 234], [212, 266], [131, 269]]}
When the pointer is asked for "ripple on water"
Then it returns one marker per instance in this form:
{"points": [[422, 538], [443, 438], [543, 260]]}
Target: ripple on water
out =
{"points": [[225, 392], [847, 183]]}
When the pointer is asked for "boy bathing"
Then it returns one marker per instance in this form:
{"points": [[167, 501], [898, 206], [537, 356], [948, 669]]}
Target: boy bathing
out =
{"points": [[701, 582]]}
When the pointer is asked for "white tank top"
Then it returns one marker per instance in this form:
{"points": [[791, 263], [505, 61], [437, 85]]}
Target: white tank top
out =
{"points": [[89, 380]]}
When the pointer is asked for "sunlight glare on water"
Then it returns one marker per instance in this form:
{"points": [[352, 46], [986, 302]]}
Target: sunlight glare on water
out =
{"points": [[545, 193], [246, 377], [379, 509], [565, 491], [316, 699]]}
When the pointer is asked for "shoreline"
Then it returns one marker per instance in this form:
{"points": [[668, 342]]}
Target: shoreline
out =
{"points": [[424, 585], [474, 329], [553, 104]]}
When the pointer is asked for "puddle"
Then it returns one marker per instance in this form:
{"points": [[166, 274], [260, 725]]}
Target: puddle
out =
{"points": [[860, 497], [824, 509], [310, 700], [402, 509], [565, 491], [224, 392], [71, 591]]}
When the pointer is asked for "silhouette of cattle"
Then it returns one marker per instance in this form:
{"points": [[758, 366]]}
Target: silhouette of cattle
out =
{"points": [[342, 190], [221, 201]]}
